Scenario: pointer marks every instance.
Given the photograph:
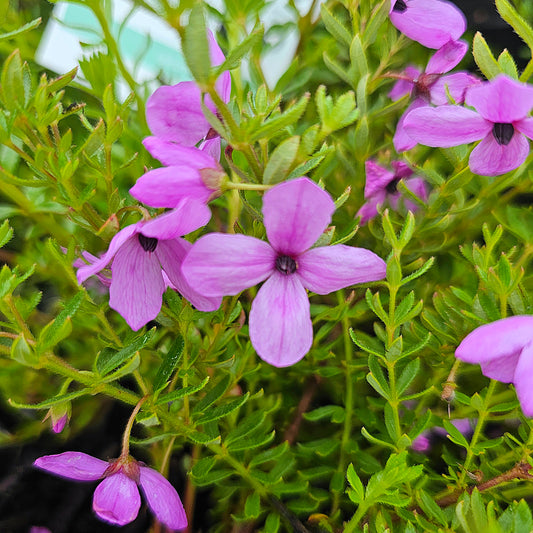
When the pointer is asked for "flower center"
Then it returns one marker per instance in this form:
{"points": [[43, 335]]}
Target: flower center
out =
{"points": [[503, 132], [211, 134], [400, 6], [286, 264], [423, 85], [149, 244], [392, 186]]}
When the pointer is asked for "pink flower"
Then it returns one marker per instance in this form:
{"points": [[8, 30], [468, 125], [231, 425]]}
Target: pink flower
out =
{"points": [[295, 215], [504, 349], [431, 86], [501, 121], [188, 173], [139, 252], [174, 113], [116, 499], [382, 186], [430, 22]]}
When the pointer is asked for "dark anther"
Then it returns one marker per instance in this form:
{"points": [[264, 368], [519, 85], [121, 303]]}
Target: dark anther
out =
{"points": [[423, 86], [149, 244], [211, 134], [503, 132], [286, 264], [392, 186], [400, 6]]}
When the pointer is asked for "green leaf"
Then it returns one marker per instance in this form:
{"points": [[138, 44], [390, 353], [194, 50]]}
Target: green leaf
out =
{"points": [[109, 360], [46, 404], [252, 506], [279, 122], [235, 56], [252, 441], [212, 395], [221, 410], [408, 375], [519, 25], [430, 507], [55, 331], [334, 26], [454, 434], [484, 58], [507, 64], [420, 272], [356, 484], [335, 413], [6, 232], [23, 29], [22, 352], [281, 160], [169, 363], [357, 56], [195, 45], [245, 427], [181, 393], [62, 81], [12, 89]]}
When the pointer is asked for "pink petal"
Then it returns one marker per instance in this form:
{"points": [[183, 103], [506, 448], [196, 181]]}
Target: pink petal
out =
{"points": [[456, 84], [401, 140], [220, 264], [116, 500], [370, 208], [403, 87], [137, 285], [280, 323], [223, 83], [165, 187], [329, 268], [295, 215], [189, 215], [116, 242], [501, 99], [211, 147], [421, 443], [525, 126], [174, 113], [162, 499], [401, 169], [501, 368], [73, 465], [430, 22], [176, 155], [445, 126], [489, 158], [171, 254], [418, 187], [377, 178], [523, 380], [503, 338], [447, 57]]}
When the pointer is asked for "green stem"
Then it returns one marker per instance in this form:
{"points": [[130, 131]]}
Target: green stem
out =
{"points": [[247, 186], [348, 401], [127, 432], [477, 433]]}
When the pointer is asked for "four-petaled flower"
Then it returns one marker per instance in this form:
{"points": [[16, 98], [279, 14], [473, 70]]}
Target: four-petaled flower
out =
{"points": [[382, 186], [295, 215], [501, 121], [431, 86], [116, 499], [430, 22], [139, 252], [174, 113], [504, 349]]}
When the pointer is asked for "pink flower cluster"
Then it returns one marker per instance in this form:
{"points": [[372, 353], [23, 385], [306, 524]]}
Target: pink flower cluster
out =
{"points": [[502, 105]]}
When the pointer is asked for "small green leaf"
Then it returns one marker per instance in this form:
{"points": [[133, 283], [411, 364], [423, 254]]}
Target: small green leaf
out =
{"points": [[511, 16], [6, 232], [221, 410], [281, 160], [252, 506], [169, 363], [507, 64], [181, 393], [22, 352], [195, 45], [60, 328], [408, 375], [484, 58], [23, 29], [334, 26], [109, 360], [355, 482], [454, 434], [236, 54]]}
